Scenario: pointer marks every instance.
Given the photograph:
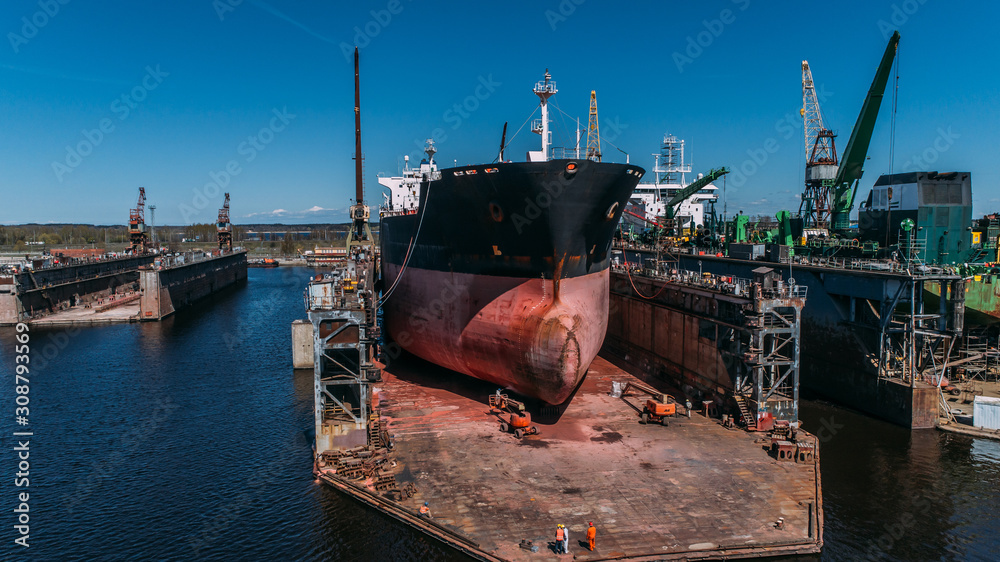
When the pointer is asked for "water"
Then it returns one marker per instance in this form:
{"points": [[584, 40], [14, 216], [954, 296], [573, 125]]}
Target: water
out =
{"points": [[894, 494], [186, 440]]}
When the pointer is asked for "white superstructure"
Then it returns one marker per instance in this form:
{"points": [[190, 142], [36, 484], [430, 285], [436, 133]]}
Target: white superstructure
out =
{"points": [[669, 177], [404, 191]]}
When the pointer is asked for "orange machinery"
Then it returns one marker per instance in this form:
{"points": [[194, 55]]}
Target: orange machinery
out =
{"points": [[657, 408], [513, 417]]}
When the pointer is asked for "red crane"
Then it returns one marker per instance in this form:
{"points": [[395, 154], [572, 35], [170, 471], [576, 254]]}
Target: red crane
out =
{"points": [[225, 228], [137, 238]]}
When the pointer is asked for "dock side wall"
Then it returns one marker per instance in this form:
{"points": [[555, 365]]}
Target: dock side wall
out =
{"points": [[675, 337], [836, 355]]}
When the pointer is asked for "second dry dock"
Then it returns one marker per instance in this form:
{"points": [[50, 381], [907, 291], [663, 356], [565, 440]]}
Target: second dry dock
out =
{"points": [[693, 490]]}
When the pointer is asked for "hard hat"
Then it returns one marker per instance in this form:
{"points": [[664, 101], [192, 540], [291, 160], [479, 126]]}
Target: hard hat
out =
{"points": [[425, 503]]}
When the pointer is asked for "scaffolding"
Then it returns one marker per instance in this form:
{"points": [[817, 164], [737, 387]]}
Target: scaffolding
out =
{"points": [[340, 308], [767, 381]]}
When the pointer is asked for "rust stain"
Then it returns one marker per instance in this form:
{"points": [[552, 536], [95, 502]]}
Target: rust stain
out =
{"points": [[556, 277]]}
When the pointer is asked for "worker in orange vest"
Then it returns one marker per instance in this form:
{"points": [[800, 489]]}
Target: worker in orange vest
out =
{"points": [[560, 537], [591, 535], [425, 511]]}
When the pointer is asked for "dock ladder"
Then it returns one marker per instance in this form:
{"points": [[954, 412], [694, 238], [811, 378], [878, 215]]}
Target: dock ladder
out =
{"points": [[748, 419]]}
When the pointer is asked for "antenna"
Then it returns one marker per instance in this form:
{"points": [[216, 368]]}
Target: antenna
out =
{"points": [[152, 224]]}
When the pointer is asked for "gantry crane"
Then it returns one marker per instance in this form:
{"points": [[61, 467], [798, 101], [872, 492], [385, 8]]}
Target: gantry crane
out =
{"points": [[225, 228], [138, 241]]}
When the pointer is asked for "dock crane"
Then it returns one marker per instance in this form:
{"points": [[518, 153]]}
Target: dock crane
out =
{"points": [[845, 185], [360, 233], [138, 242], [593, 131], [682, 194], [821, 157], [224, 228]]}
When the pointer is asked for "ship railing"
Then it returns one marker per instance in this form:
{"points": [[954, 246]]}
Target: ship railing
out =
{"points": [[568, 153], [385, 212], [733, 285]]}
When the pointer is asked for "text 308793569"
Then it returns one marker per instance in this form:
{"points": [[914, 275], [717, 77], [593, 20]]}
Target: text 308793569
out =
{"points": [[22, 438]]}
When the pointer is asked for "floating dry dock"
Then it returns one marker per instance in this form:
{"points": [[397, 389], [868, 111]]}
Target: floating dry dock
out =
{"points": [[691, 490], [171, 283], [398, 435], [115, 291]]}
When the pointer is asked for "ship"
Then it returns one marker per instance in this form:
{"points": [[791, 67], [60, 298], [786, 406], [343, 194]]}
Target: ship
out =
{"points": [[500, 271], [669, 178]]}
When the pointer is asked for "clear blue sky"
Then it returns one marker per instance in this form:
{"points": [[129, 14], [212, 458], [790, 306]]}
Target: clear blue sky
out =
{"points": [[199, 81]]}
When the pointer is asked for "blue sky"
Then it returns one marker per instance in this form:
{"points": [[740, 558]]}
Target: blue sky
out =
{"points": [[255, 97]]}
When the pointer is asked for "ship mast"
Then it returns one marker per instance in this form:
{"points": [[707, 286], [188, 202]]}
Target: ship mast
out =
{"points": [[544, 90]]}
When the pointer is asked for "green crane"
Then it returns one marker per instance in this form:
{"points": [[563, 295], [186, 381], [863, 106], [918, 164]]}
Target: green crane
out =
{"points": [[845, 186], [691, 189]]}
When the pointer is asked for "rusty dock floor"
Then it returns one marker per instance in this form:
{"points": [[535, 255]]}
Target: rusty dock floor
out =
{"points": [[692, 490]]}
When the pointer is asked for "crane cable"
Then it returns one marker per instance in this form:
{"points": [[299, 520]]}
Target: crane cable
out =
{"points": [[409, 250], [629, 273], [511, 139]]}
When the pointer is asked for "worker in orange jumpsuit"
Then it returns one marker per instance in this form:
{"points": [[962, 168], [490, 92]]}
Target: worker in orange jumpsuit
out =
{"points": [[591, 535]]}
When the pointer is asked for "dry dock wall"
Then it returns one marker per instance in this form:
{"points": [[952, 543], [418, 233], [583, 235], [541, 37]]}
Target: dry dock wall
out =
{"points": [[166, 290], [673, 338], [836, 349]]}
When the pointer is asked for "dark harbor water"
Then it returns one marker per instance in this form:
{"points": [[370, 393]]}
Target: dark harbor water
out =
{"points": [[186, 440]]}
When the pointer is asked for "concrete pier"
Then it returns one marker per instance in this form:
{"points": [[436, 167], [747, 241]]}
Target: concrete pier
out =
{"points": [[170, 284], [302, 344]]}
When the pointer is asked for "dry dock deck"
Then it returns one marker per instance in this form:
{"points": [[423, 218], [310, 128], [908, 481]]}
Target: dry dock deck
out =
{"points": [[80, 316], [693, 490]]}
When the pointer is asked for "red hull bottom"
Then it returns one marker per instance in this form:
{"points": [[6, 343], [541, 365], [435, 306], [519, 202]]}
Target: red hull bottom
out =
{"points": [[530, 335]]}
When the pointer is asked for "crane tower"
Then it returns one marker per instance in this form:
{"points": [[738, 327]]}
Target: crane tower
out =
{"points": [[821, 157], [137, 238], [225, 228], [593, 131]]}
